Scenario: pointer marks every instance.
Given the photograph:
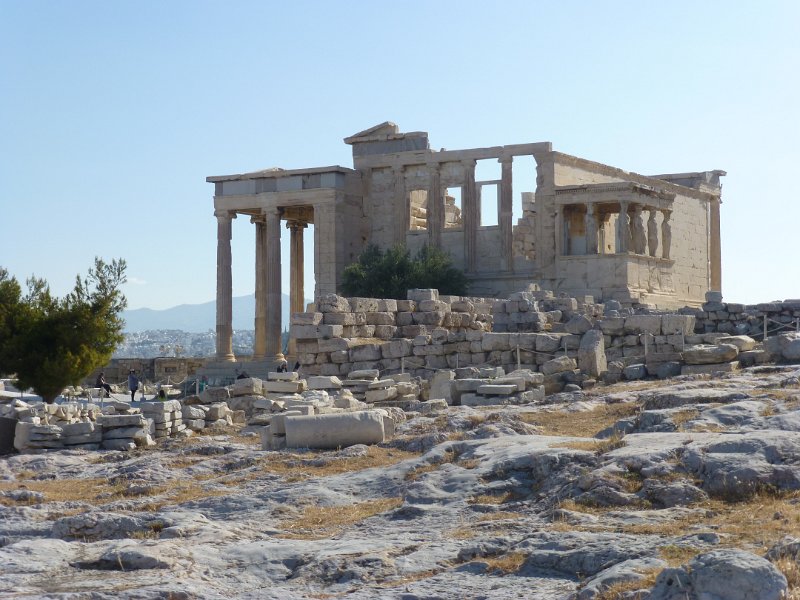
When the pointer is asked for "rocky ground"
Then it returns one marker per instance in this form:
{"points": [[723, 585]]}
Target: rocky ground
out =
{"points": [[687, 488]]}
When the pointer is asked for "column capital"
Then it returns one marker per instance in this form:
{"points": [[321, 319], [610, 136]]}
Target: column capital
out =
{"points": [[224, 214], [433, 166], [667, 213], [469, 163], [258, 219], [271, 211], [505, 159], [296, 224]]}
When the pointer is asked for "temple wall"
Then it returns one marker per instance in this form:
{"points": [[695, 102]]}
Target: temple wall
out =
{"points": [[690, 238]]}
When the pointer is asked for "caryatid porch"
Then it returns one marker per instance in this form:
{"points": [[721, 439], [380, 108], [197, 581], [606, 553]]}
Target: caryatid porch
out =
{"points": [[615, 237], [299, 198]]}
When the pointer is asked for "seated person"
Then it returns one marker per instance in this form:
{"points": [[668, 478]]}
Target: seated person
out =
{"points": [[101, 383]]}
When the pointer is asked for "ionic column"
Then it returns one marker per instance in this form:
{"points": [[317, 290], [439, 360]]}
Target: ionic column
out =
{"points": [[666, 234], [435, 209], [591, 229], [224, 286], [715, 254], [623, 229], [296, 276], [652, 233], [273, 282], [402, 206], [506, 214], [471, 216], [260, 341]]}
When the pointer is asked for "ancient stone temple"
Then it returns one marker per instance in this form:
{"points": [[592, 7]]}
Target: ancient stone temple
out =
{"points": [[586, 228]]}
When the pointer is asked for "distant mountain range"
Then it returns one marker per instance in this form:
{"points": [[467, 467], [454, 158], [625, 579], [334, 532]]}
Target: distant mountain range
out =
{"points": [[198, 318]]}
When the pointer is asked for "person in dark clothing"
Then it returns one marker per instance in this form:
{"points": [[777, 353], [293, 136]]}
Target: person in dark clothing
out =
{"points": [[296, 366], [243, 375], [133, 383], [101, 383]]}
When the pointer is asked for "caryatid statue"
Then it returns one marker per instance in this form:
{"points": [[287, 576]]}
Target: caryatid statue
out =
{"points": [[637, 231], [666, 234], [652, 233]]}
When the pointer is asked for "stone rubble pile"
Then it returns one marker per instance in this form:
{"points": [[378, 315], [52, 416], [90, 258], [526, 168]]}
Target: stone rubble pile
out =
{"points": [[85, 426]]}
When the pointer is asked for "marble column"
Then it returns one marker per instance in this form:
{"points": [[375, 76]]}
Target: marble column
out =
{"points": [[260, 339], [666, 234], [715, 249], [273, 283], [402, 206], [623, 229], [591, 229], [506, 214], [469, 210], [296, 275], [435, 209], [652, 233], [224, 286]]}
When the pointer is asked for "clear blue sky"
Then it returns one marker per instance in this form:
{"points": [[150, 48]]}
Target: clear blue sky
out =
{"points": [[112, 114]]}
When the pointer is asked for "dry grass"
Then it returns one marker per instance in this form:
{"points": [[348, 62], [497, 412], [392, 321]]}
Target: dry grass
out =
{"points": [[298, 467], [580, 424], [594, 445], [66, 490], [756, 523], [677, 555], [320, 522], [615, 591], [500, 515], [492, 498], [791, 570], [682, 416], [506, 563]]}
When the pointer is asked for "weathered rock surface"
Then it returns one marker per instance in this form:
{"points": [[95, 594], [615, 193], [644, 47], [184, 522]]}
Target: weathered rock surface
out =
{"points": [[731, 574], [463, 502]]}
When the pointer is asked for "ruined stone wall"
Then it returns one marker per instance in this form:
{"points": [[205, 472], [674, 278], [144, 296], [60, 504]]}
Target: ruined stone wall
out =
{"points": [[431, 332], [746, 319]]}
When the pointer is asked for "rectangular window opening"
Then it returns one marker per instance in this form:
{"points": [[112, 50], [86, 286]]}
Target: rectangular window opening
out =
{"points": [[488, 198], [452, 209], [418, 210]]}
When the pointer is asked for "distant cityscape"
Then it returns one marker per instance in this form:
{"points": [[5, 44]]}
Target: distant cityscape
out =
{"points": [[174, 342]]}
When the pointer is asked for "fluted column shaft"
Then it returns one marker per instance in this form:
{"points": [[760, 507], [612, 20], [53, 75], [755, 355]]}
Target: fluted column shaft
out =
{"points": [[435, 207], [273, 282], [260, 341], [296, 275], [471, 216], [224, 286], [506, 214], [591, 229], [402, 206]]}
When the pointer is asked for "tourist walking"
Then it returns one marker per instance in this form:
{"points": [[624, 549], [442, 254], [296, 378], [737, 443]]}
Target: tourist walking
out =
{"points": [[133, 383]]}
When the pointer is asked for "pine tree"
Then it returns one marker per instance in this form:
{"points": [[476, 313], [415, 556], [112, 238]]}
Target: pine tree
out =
{"points": [[48, 342]]}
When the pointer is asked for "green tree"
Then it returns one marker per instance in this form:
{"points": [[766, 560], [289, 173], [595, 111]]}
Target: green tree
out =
{"points": [[390, 274], [49, 342]]}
